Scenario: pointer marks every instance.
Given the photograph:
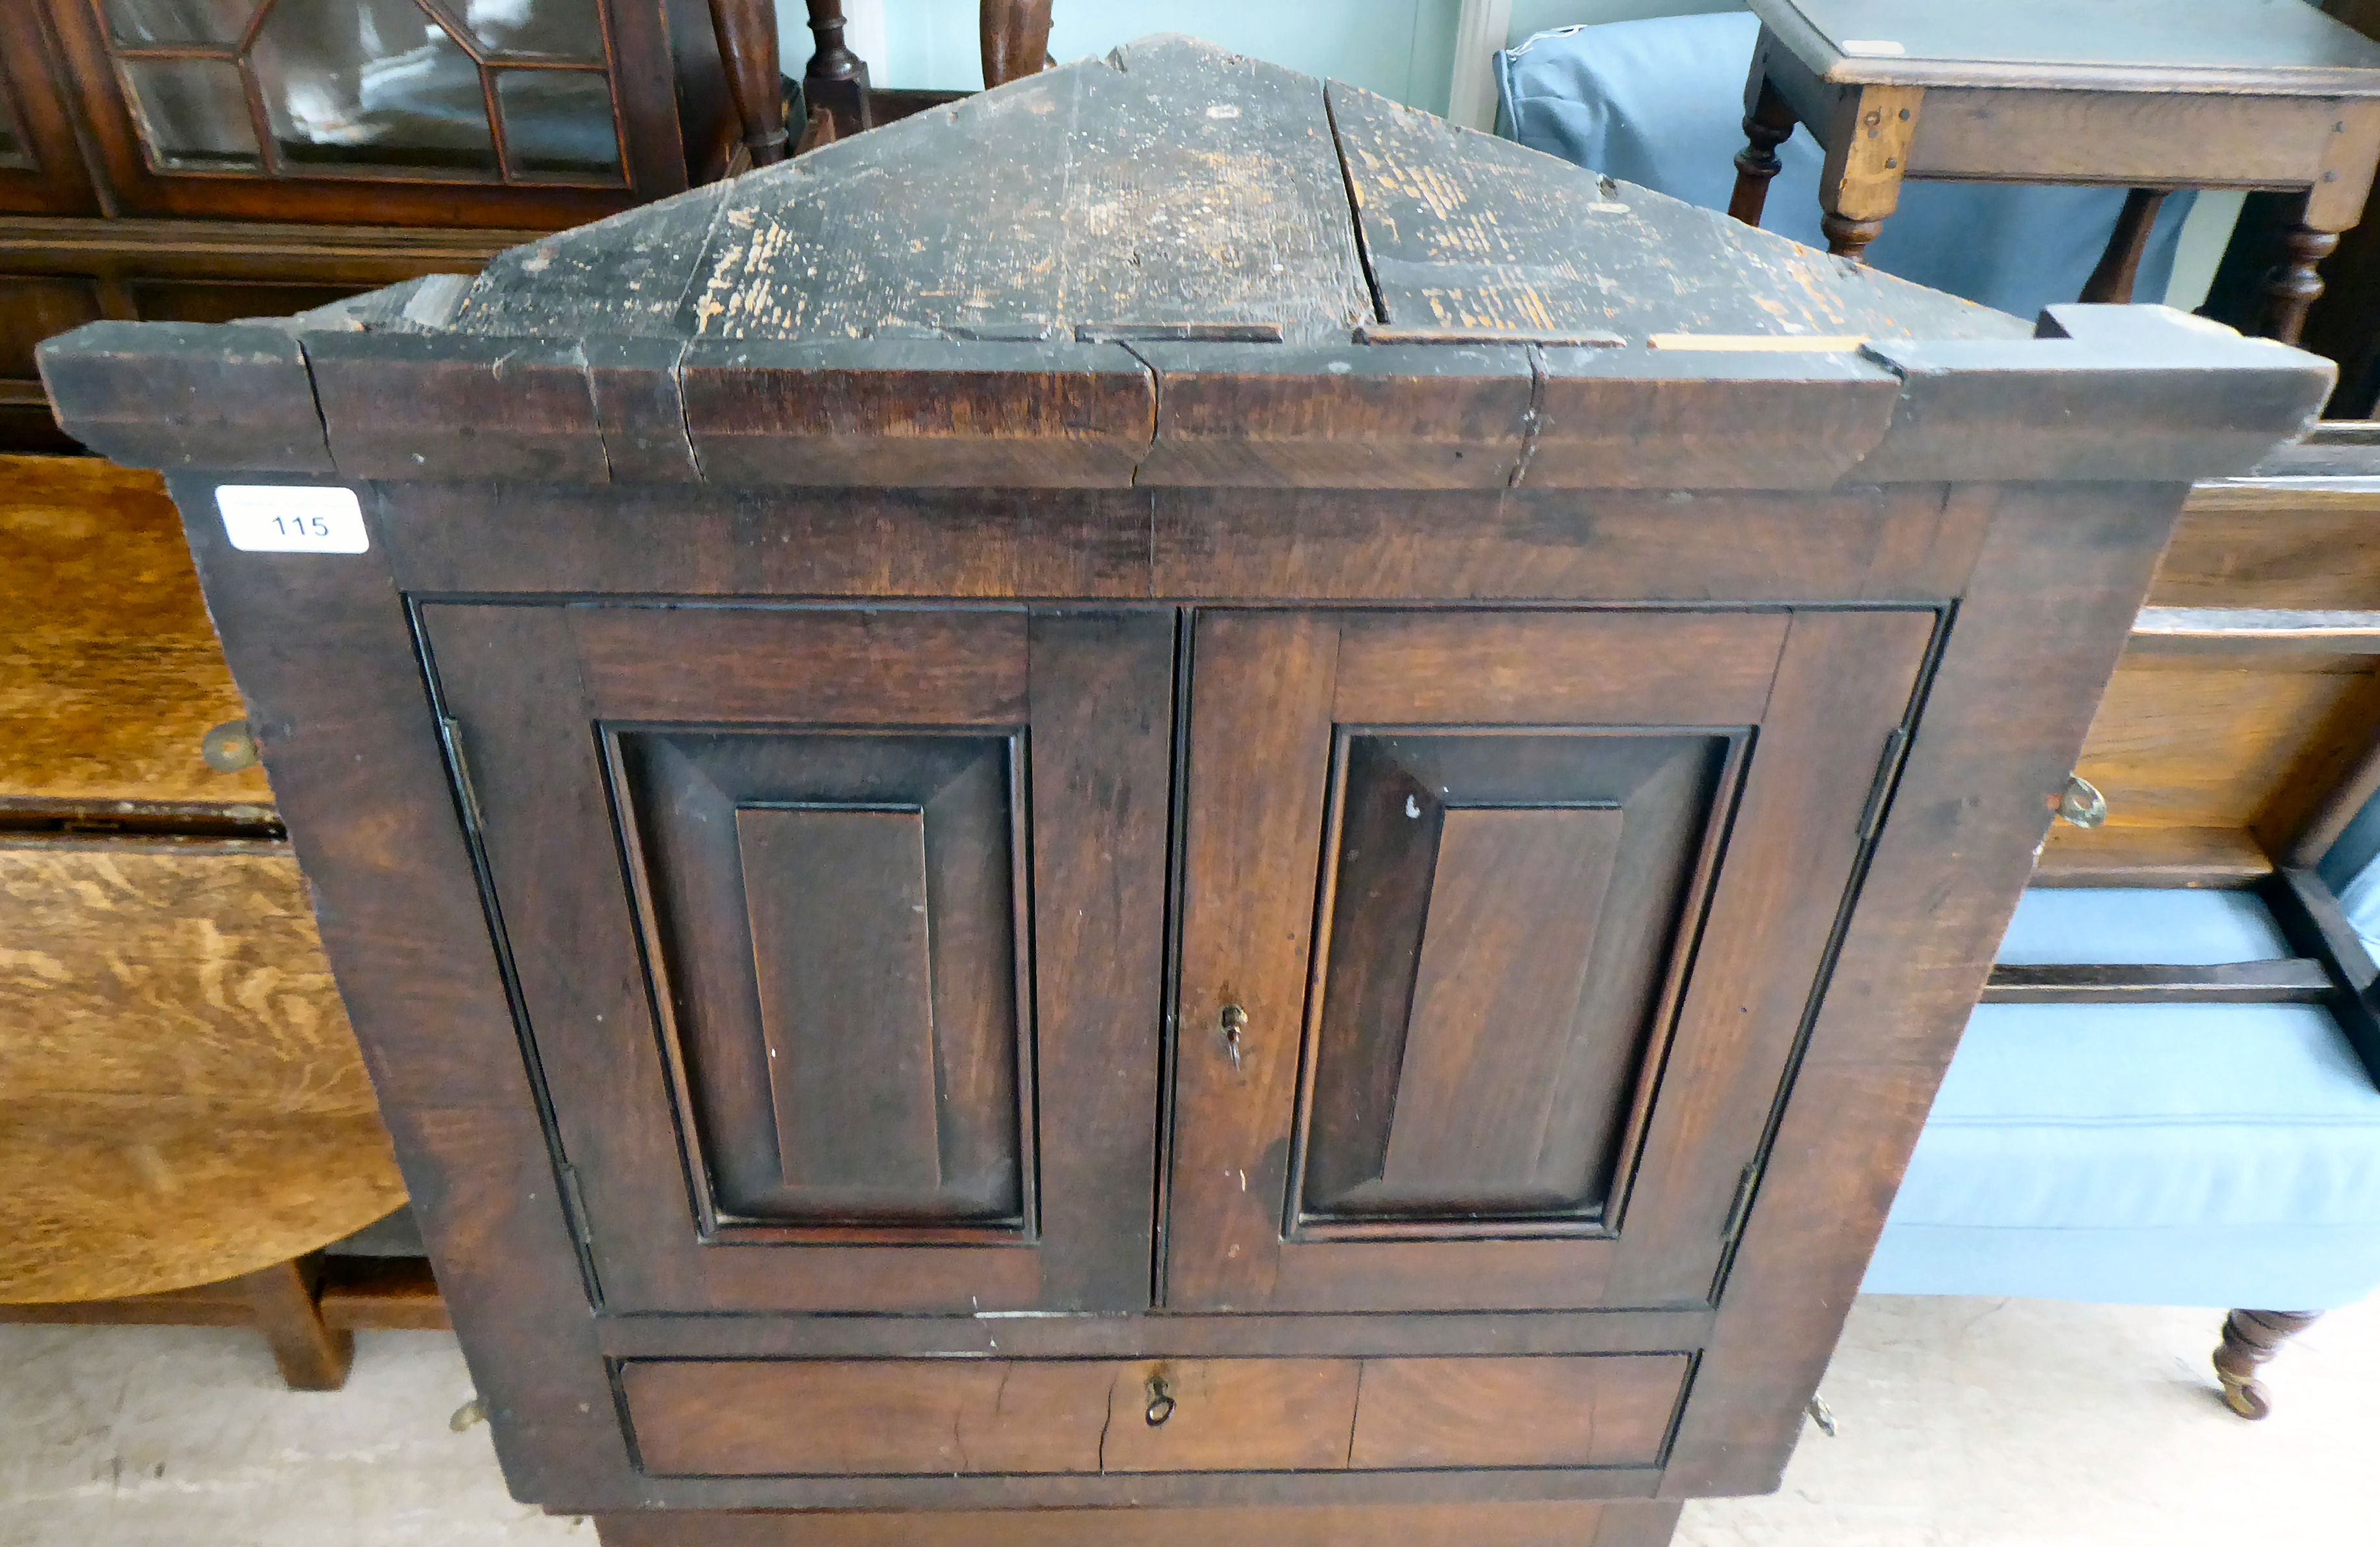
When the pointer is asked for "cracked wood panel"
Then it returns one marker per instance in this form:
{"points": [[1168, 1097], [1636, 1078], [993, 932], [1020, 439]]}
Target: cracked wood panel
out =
{"points": [[843, 1417], [1481, 238], [1170, 184]]}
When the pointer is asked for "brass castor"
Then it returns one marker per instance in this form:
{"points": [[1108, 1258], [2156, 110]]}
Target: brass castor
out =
{"points": [[2250, 1338]]}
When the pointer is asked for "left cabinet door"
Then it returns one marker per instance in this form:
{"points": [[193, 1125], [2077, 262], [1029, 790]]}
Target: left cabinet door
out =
{"points": [[837, 936]]}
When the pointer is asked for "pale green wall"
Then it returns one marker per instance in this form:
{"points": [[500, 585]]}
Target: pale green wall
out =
{"points": [[1399, 48]]}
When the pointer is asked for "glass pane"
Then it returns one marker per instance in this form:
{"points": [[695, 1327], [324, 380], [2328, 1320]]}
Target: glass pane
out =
{"points": [[558, 123], [545, 28], [193, 115], [13, 152], [370, 85], [137, 23]]}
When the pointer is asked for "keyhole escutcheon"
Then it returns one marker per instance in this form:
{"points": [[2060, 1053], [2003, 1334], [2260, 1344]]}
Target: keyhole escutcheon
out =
{"points": [[1160, 1401], [1234, 1024]]}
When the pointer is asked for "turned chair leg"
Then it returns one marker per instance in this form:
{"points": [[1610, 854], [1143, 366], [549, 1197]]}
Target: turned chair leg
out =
{"points": [[1016, 37], [2250, 1338], [313, 1356], [2111, 283], [1768, 125]]}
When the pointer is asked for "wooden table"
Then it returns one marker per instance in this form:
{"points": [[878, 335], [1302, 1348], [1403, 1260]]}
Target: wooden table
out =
{"points": [[1171, 791], [2195, 93]]}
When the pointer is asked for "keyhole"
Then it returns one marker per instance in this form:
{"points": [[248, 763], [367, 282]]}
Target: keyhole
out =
{"points": [[1234, 1022], [1160, 1401]]}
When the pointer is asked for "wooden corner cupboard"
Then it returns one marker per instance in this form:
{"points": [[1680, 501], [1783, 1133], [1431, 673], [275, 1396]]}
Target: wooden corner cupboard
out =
{"points": [[1172, 790]]}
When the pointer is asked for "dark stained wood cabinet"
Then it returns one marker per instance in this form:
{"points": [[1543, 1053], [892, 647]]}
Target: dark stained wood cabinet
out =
{"points": [[1265, 812]]}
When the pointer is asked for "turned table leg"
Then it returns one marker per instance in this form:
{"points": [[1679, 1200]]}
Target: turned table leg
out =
{"points": [[835, 78], [2111, 283], [1867, 154], [1016, 40], [2251, 1338], [2294, 283], [1767, 124]]}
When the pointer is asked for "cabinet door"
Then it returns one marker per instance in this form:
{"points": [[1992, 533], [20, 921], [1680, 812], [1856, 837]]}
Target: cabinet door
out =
{"points": [[838, 937], [1499, 931]]}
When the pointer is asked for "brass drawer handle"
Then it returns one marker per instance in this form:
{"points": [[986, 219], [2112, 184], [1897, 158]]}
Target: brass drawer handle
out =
{"points": [[1160, 1401]]}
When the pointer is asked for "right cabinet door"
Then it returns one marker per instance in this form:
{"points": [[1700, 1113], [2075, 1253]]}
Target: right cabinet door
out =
{"points": [[1499, 933]]}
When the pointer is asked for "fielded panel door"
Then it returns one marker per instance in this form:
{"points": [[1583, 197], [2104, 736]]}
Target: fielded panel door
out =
{"points": [[839, 939], [1497, 932]]}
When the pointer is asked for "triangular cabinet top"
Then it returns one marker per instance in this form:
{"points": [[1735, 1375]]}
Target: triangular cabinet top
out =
{"points": [[1177, 265]]}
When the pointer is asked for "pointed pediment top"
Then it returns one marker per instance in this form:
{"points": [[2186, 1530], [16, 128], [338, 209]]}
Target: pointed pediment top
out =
{"points": [[1175, 189]]}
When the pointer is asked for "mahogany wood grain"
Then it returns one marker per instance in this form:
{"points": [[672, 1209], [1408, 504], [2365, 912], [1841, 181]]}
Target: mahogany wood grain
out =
{"points": [[1463, 1120], [1628, 1524], [1515, 1412], [837, 900], [1260, 746], [382, 843], [1655, 668], [2020, 669], [824, 1418], [1177, 1334], [1892, 543]]}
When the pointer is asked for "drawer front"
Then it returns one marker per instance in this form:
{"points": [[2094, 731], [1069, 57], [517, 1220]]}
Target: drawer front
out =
{"points": [[826, 1418]]}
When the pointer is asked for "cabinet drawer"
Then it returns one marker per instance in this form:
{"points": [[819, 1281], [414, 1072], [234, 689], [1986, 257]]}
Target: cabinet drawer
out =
{"points": [[963, 1416]]}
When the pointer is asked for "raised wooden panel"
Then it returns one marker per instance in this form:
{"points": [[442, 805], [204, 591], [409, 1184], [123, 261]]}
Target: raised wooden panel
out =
{"points": [[824, 1418], [1395, 1086], [834, 923], [837, 898], [1503, 914]]}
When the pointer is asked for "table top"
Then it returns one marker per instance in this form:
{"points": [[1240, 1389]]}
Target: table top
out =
{"points": [[2284, 46]]}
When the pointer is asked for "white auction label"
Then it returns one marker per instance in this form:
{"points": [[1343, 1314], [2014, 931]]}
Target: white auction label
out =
{"points": [[280, 518]]}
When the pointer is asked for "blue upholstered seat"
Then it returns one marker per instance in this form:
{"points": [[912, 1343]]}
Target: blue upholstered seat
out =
{"points": [[1660, 104], [2162, 1154]]}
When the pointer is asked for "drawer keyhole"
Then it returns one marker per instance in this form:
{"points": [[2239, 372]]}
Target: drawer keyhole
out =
{"points": [[1235, 1023], [1160, 1401]]}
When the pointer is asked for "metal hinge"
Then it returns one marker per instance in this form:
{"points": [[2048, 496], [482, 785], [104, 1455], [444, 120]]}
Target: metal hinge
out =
{"points": [[451, 735], [1742, 1204], [1872, 814], [574, 1204]]}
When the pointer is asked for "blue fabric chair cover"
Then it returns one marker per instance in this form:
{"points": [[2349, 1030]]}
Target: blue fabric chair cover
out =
{"points": [[1660, 102], [2155, 1154]]}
